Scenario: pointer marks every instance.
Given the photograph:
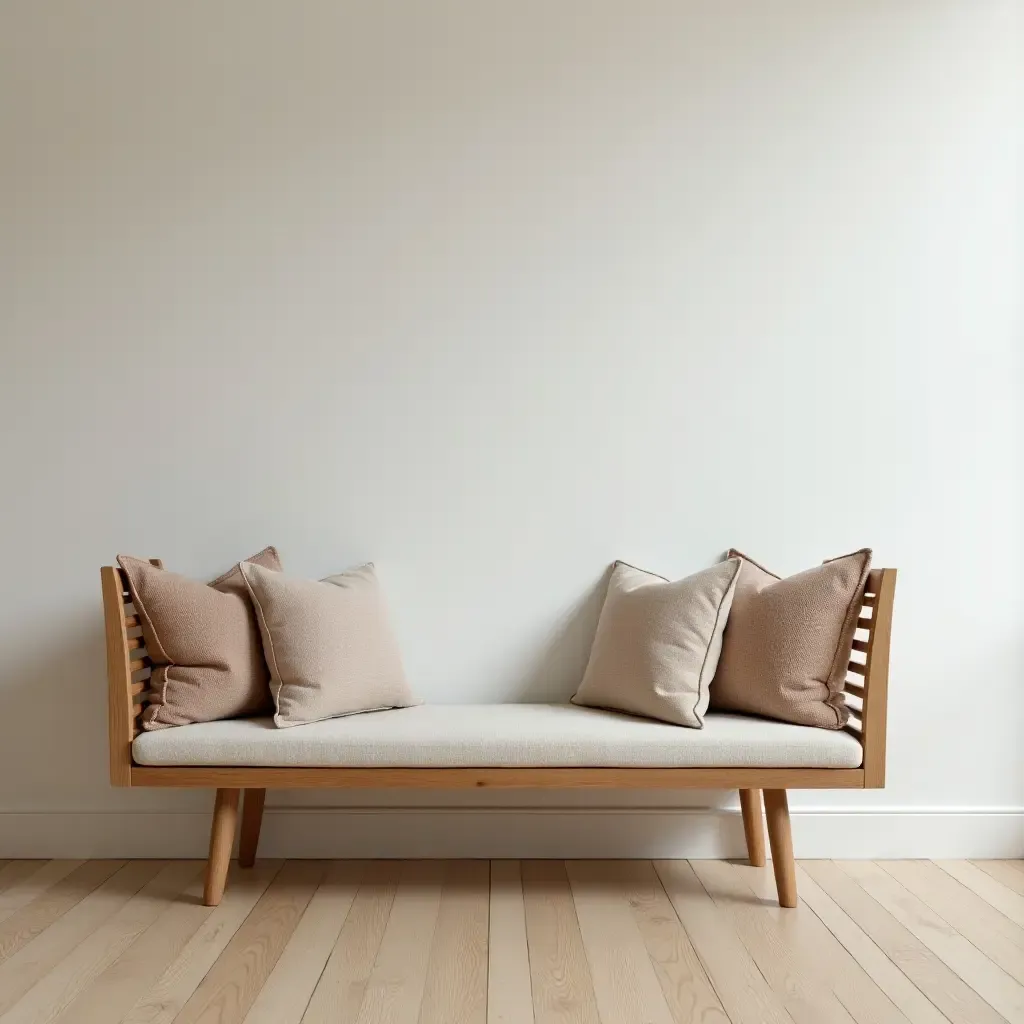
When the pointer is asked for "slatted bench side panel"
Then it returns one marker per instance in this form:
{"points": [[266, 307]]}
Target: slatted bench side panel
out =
{"points": [[867, 683], [129, 669]]}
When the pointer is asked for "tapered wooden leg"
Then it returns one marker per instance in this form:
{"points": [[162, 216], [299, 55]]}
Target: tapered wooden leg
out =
{"points": [[776, 809], [750, 802], [252, 818], [222, 837]]}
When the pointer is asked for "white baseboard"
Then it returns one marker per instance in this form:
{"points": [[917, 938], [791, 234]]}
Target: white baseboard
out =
{"points": [[519, 833]]}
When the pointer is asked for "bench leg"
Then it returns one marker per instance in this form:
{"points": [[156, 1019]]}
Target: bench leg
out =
{"points": [[222, 836], [776, 808], [252, 818], [750, 802]]}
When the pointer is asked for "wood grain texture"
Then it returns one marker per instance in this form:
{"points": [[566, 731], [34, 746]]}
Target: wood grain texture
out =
{"points": [[60, 988], [18, 895], [252, 820], [962, 957], [120, 723], [995, 935], [48, 950], [816, 950], [509, 991], [626, 987], [499, 778], [615, 942], [753, 825], [901, 991], [184, 974], [563, 992], [342, 987], [286, 994], [991, 890], [743, 990], [456, 988], [222, 838], [780, 838], [685, 985], [764, 934], [1003, 871], [233, 983], [953, 996], [116, 990], [395, 988], [35, 917]]}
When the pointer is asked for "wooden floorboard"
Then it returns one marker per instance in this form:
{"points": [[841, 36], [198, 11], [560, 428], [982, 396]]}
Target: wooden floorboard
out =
{"points": [[504, 942]]}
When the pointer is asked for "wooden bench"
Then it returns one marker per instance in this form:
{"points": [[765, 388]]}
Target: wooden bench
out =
{"points": [[129, 669]]}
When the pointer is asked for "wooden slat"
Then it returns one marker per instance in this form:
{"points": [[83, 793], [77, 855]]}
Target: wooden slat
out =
{"points": [[135, 643], [132, 621], [869, 600], [864, 622], [874, 581], [500, 778], [508, 973], [138, 666], [876, 682], [562, 986], [854, 688], [860, 645], [858, 667], [119, 701], [137, 688]]}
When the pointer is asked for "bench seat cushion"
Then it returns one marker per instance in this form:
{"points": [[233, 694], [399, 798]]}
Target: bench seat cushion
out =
{"points": [[500, 736]]}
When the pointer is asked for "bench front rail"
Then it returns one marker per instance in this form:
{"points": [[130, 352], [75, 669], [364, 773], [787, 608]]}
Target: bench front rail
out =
{"points": [[129, 670]]}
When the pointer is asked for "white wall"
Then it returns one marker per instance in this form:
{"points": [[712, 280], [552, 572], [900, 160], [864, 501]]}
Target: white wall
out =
{"points": [[494, 293]]}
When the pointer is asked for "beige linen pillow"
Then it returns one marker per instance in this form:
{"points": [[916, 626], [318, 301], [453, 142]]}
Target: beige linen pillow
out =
{"points": [[329, 645], [788, 641], [204, 643], [657, 643]]}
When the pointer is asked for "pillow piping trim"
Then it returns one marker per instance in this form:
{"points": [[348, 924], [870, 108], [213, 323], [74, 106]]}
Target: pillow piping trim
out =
{"points": [[275, 671], [706, 686]]}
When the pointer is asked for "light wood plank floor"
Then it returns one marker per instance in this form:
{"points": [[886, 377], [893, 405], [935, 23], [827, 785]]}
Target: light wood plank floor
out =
{"points": [[509, 942]]}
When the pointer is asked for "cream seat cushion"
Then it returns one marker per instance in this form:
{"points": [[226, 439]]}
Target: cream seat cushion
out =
{"points": [[499, 736]]}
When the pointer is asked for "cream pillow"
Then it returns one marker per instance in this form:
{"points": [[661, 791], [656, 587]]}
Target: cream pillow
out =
{"points": [[329, 645], [658, 643]]}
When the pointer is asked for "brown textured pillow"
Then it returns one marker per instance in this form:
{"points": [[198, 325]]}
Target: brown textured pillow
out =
{"points": [[204, 643], [788, 641]]}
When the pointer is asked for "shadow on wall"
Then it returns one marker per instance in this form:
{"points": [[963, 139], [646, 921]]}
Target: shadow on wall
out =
{"points": [[557, 669]]}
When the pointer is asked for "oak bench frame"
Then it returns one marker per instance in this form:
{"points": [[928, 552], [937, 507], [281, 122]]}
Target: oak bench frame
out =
{"points": [[866, 689]]}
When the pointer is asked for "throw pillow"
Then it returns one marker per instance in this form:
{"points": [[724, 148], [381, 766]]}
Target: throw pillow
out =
{"points": [[657, 643], [329, 645], [204, 643], [788, 641]]}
